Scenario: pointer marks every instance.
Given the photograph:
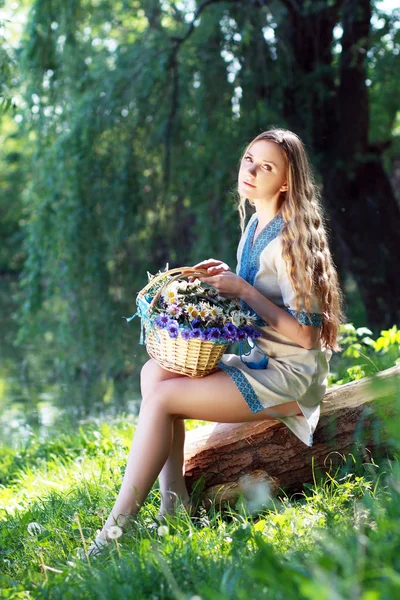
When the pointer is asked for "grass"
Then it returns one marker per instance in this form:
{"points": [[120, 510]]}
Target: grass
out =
{"points": [[338, 539]]}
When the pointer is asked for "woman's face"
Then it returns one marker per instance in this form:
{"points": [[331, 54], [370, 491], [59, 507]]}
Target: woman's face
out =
{"points": [[262, 173]]}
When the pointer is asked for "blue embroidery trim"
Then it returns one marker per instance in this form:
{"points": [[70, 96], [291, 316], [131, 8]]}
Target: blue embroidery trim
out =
{"points": [[244, 387], [303, 318], [261, 364], [251, 255], [250, 265]]}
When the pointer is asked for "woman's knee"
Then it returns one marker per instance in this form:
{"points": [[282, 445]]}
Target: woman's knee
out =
{"points": [[157, 399], [151, 375]]}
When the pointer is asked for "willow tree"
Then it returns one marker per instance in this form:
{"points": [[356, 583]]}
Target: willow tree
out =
{"points": [[139, 111]]}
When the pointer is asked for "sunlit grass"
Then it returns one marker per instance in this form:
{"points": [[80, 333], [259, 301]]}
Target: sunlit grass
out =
{"points": [[337, 539]]}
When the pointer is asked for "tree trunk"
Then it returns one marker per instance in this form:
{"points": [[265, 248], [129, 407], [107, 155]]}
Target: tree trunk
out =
{"points": [[355, 417], [333, 118]]}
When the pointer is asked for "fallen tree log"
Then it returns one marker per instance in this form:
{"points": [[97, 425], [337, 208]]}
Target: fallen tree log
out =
{"points": [[355, 418]]}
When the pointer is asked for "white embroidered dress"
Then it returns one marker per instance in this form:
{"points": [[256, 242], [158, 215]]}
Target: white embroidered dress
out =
{"points": [[287, 371]]}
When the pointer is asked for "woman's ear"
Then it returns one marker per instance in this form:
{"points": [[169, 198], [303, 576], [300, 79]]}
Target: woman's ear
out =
{"points": [[284, 187]]}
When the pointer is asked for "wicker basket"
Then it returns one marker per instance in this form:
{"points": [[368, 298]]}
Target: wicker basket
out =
{"points": [[194, 357]]}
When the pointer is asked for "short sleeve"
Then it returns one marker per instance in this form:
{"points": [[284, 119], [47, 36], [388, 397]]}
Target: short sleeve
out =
{"points": [[289, 296]]}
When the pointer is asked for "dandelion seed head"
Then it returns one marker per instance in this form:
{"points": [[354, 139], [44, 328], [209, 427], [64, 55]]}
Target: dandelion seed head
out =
{"points": [[114, 532], [163, 530], [35, 528]]}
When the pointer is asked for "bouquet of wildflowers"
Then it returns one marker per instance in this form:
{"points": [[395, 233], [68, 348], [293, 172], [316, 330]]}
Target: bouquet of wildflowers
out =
{"points": [[196, 310]]}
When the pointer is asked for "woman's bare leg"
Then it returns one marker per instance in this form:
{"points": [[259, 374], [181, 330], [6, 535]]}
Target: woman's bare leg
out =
{"points": [[213, 398], [171, 477]]}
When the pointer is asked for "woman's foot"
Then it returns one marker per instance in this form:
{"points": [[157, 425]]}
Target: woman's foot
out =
{"points": [[98, 545], [105, 538], [161, 517]]}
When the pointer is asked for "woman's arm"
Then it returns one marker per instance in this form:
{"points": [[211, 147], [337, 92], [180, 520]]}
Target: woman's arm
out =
{"points": [[282, 321], [230, 285]]}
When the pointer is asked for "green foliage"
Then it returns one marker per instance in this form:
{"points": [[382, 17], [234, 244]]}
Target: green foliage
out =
{"points": [[383, 88], [7, 68], [365, 355], [114, 185], [125, 153]]}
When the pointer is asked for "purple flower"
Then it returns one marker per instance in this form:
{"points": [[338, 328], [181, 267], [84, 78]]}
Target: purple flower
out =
{"points": [[254, 333], [241, 335], [196, 323], [195, 333], [186, 334], [173, 329], [248, 329], [174, 311], [230, 331], [161, 302], [226, 336], [205, 335], [162, 321], [215, 333]]}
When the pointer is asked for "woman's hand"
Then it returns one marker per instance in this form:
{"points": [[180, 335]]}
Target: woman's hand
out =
{"points": [[227, 284], [214, 267]]}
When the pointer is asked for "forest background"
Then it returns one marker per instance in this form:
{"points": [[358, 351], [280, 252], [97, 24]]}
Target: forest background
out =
{"points": [[121, 129], [122, 124]]}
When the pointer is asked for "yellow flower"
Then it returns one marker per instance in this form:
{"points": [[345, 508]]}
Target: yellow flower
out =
{"points": [[216, 311], [170, 293], [204, 310], [193, 311]]}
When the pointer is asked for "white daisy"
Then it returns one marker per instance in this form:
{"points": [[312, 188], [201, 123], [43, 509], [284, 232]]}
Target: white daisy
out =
{"points": [[183, 286], [251, 320], [235, 317], [193, 311], [204, 310], [216, 311], [174, 310], [196, 285], [170, 293]]}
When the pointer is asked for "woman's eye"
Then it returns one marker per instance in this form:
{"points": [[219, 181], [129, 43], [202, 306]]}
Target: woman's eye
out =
{"points": [[268, 167]]}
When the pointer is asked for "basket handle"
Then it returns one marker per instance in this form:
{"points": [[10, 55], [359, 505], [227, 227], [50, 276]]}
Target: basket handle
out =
{"points": [[182, 272]]}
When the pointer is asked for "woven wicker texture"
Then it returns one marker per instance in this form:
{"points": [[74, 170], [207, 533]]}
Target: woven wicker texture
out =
{"points": [[194, 357]]}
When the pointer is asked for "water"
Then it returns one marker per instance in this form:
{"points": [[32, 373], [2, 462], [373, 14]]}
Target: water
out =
{"points": [[31, 401]]}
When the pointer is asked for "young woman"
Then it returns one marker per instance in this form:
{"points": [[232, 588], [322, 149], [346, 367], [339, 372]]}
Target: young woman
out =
{"points": [[286, 277]]}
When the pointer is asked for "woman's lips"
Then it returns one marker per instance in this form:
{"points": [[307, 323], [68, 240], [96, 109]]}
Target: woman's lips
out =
{"points": [[249, 184]]}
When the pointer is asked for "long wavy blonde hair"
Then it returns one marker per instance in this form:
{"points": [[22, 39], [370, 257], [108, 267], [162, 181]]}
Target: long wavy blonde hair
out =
{"points": [[304, 237]]}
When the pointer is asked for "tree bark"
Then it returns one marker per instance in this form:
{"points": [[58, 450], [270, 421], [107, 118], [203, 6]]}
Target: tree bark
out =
{"points": [[329, 106], [355, 418]]}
